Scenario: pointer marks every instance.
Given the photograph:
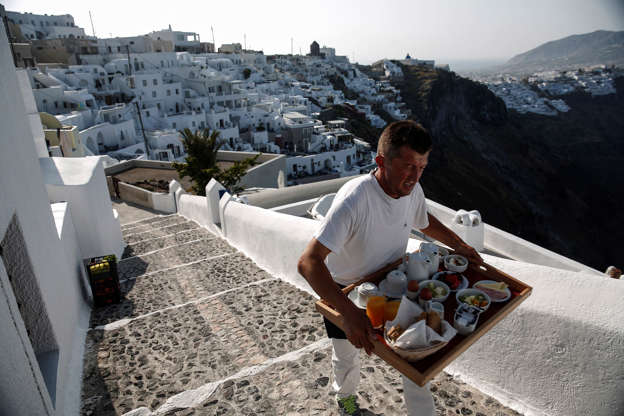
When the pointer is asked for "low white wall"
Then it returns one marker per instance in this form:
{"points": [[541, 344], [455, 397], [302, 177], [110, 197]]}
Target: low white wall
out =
{"points": [[512, 246], [561, 352], [163, 202], [194, 207], [274, 241]]}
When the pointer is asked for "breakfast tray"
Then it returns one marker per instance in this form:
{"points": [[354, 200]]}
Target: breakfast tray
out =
{"points": [[422, 371]]}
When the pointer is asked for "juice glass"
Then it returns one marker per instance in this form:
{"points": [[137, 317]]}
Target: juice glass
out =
{"points": [[390, 310], [375, 310]]}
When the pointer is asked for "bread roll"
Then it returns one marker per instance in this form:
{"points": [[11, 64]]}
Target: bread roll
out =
{"points": [[434, 322]]}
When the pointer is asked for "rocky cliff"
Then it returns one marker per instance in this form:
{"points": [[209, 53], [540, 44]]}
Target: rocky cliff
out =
{"points": [[555, 181]]}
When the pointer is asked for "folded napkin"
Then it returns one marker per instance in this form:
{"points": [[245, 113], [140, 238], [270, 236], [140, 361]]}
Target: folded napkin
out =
{"points": [[417, 335]]}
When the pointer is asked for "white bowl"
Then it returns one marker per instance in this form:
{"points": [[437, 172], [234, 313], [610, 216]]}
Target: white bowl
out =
{"points": [[464, 281], [471, 292], [425, 283], [449, 265]]}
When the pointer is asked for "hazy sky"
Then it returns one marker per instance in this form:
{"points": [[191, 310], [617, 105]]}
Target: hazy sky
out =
{"points": [[366, 30]]}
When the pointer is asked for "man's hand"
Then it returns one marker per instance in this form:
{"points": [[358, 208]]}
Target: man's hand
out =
{"points": [[469, 252], [359, 329]]}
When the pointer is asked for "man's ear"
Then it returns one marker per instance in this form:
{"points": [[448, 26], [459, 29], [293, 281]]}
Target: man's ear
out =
{"points": [[380, 161]]}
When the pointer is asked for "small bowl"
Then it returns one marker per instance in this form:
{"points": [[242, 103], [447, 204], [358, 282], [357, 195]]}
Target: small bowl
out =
{"points": [[440, 277], [471, 292], [436, 283], [449, 263]]}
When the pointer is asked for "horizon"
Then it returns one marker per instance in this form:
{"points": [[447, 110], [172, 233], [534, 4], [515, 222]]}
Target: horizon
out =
{"points": [[483, 30]]}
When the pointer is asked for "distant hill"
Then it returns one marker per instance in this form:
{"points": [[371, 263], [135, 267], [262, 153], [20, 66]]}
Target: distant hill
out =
{"points": [[601, 47]]}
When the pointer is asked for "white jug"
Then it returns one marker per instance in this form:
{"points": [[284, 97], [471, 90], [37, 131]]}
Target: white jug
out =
{"points": [[418, 266], [432, 251]]}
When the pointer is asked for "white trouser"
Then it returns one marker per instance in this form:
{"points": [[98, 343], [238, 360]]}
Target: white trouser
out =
{"points": [[346, 367]]}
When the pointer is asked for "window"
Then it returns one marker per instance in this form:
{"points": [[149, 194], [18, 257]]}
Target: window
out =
{"points": [[155, 81], [174, 125], [177, 91], [158, 105], [168, 93], [193, 124], [153, 94], [145, 83]]}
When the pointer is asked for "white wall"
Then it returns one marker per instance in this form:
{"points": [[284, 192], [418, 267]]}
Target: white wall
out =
{"points": [[24, 196], [81, 182]]}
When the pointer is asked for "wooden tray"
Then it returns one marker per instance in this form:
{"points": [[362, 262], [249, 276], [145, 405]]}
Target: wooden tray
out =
{"points": [[422, 371]]}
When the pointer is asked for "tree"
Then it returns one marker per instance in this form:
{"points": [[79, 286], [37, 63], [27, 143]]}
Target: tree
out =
{"points": [[201, 162]]}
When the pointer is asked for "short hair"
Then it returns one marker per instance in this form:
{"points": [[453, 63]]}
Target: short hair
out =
{"points": [[403, 133]]}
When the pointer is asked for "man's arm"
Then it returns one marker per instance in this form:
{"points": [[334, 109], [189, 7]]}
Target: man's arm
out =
{"points": [[440, 232], [312, 266]]}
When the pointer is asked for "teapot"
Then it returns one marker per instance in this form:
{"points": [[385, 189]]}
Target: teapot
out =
{"points": [[432, 251], [418, 266]]}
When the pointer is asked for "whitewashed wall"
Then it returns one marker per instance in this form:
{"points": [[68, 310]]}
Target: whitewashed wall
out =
{"points": [[23, 196]]}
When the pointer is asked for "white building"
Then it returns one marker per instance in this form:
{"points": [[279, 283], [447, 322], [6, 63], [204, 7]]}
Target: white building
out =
{"points": [[36, 26]]}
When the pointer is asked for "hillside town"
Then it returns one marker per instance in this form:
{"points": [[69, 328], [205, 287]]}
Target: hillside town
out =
{"points": [[129, 98], [544, 92]]}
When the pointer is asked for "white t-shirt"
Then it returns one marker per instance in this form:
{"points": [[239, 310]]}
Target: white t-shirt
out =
{"points": [[365, 228]]}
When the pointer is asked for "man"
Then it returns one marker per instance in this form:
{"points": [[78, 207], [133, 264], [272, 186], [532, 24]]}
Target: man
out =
{"points": [[367, 227]]}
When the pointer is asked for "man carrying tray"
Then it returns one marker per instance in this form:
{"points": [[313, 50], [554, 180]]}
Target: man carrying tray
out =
{"points": [[367, 227]]}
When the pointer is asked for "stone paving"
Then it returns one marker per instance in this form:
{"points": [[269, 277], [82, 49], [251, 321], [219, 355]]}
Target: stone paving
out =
{"points": [[145, 246], [150, 226], [206, 319], [134, 237]]}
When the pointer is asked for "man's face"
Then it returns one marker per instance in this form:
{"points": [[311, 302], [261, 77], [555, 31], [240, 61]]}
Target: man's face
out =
{"points": [[401, 174]]}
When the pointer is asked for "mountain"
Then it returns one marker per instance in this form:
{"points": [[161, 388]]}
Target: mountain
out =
{"points": [[601, 47], [555, 181]]}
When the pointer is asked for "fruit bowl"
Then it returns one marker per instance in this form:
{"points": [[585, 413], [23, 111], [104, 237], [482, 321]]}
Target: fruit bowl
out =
{"points": [[460, 283], [455, 263], [470, 296], [427, 284]]}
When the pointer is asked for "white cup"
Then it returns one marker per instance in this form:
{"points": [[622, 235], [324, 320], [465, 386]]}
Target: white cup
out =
{"points": [[396, 281]]}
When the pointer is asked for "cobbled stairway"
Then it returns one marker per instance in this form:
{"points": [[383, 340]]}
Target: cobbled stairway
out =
{"points": [[202, 330]]}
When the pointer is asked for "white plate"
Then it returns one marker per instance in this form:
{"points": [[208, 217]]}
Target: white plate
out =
{"points": [[493, 281], [463, 285]]}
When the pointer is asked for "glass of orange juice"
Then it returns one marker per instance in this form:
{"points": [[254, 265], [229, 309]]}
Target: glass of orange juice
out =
{"points": [[375, 310], [390, 310]]}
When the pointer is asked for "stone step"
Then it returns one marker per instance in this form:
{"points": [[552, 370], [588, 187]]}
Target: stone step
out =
{"points": [[172, 256], [144, 221], [303, 386], [180, 285], [163, 222], [145, 246], [155, 357], [160, 232]]}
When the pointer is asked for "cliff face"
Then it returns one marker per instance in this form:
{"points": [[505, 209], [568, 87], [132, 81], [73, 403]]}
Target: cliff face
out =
{"points": [[551, 180]]}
